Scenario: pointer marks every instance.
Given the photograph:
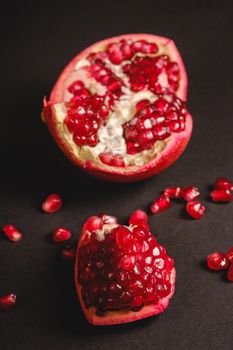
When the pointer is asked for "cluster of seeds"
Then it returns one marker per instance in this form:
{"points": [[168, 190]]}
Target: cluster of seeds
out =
{"points": [[153, 122], [125, 270], [219, 261], [222, 191]]}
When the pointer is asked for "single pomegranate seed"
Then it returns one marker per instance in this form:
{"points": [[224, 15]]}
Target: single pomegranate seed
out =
{"points": [[93, 223], [229, 255], [195, 209], [173, 192], [52, 203], [7, 301], [230, 273], [12, 233], [190, 193], [138, 216], [221, 196], [68, 253], [222, 183], [217, 261], [111, 159], [75, 87], [160, 204], [61, 234]]}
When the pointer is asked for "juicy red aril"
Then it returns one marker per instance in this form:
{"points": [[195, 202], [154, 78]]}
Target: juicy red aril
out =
{"points": [[68, 253], [85, 115], [173, 192], [138, 216], [222, 183], [52, 203], [221, 196], [112, 159], [12, 233], [148, 72], [75, 87], [93, 223], [123, 270], [152, 122], [217, 261], [160, 204], [195, 209], [190, 193], [61, 234], [229, 255], [230, 273], [7, 301]]}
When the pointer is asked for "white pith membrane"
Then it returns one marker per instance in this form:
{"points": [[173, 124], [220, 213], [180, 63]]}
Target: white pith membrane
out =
{"points": [[110, 135], [126, 314]]}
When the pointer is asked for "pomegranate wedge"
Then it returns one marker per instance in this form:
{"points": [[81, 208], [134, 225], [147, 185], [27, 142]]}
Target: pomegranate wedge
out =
{"points": [[122, 274], [117, 109]]}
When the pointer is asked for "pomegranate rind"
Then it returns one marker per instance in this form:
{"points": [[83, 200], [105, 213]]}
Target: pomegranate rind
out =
{"points": [[124, 316], [166, 46]]}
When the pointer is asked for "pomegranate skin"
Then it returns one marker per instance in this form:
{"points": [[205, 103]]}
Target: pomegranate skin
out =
{"points": [[118, 317], [175, 145]]}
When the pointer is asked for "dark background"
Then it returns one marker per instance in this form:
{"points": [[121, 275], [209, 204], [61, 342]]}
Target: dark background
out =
{"points": [[36, 42]]}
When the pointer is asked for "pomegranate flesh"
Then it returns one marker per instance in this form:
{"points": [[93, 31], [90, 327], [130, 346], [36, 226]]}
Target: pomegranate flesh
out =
{"points": [[117, 109], [122, 274]]}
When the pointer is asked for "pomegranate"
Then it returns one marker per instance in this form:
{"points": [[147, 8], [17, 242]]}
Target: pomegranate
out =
{"points": [[122, 274], [61, 234], [7, 301], [195, 209], [160, 204], [117, 109], [68, 253], [190, 193], [52, 203], [221, 196], [12, 233], [222, 183], [173, 192], [217, 261]]}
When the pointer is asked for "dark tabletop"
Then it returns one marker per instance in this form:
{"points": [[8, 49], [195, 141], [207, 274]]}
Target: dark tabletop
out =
{"points": [[37, 41]]}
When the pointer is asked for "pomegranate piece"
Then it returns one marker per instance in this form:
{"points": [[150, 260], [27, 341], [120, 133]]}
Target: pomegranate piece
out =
{"points": [[230, 273], [229, 255], [7, 301], [195, 209], [221, 196], [138, 216], [121, 275], [173, 192], [217, 261], [12, 233], [68, 253], [52, 203], [160, 204], [61, 234], [190, 193], [98, 119], [222, 183]]}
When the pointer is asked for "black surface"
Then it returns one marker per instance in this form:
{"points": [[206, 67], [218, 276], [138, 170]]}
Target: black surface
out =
{"points": [[37, 41]]}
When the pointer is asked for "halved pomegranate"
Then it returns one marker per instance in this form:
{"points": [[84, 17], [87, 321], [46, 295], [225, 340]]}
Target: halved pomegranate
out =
{"points": [[117, 108], [122, 274]]}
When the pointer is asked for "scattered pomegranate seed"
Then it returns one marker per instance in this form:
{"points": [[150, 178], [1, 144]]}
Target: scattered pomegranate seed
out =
{"points": [[217, 261], [221, 196], [190, 193], [61, 234], [222, 183], [7, 301], [160, 204], [52, 203], [195, 209], [230, 273], [173, 192], [138, 216], [229, 255], [12, 233], [68, 253]]}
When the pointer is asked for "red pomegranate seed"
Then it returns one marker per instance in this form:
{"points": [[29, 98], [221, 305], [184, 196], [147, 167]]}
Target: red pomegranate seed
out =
{"points": [[221, 196], [68, 253], [93, 223], [138, 216], [230, 273], [160, 204], [12, 233], [217, 261], [7, 301], [75, 87], [190, 193], [173, 192], [111, 159], [52, 203], [229, 255], [195, 209], [61, 234], [222, 183]]}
